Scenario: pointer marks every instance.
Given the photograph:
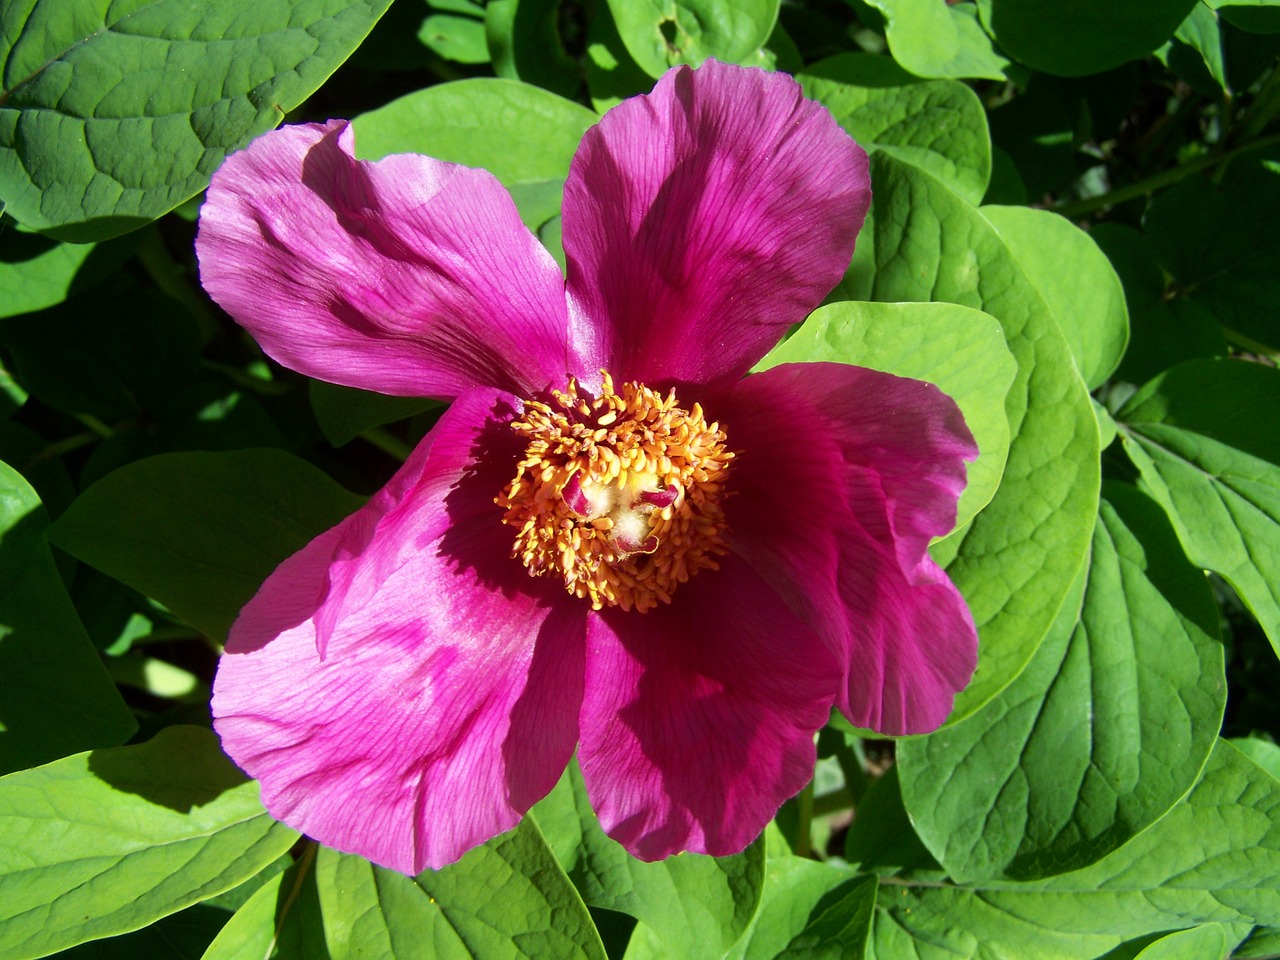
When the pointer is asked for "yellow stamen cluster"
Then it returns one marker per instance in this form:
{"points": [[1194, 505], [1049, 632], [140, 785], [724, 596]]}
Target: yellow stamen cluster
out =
{"points": [[617, 493]]}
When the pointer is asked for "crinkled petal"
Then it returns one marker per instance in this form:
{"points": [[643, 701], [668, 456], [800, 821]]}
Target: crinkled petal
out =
{"points": [[446, 701], [704, 219], [407, 276], [845, 475], [699, 716]]}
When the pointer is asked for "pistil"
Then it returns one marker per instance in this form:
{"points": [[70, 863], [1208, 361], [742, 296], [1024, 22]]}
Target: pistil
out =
{"points": [[619, 493]]}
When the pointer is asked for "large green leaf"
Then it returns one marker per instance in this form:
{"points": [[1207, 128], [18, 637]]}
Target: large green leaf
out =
{"points": [[518, 132], [113, 113], [937, 125], [1076, 280], [1022, 552], [660, 34], [1207, 444], [199, 532], [939, 40], [106, 842], [1083, 36], [1213, 858], [697, 906], [960, 349], [505, 899], [55, 696], [1106, 729]]}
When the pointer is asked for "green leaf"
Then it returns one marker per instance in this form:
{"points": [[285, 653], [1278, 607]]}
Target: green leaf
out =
{"points": [[55, 696], [1022, 553], [612, 73], [1213, 858], [1195, 52], [184, 935], [1108, 726], [1075, 279], [114, 113], [1085, 36], [937, 125], [808, 911], [1210, 459], [109, 359], [36, 272], [959, 349], [695, 905], [345, 412], [505, 899], [1222, 246], [1262, 752], [1255, 16], [1163, 331], [460, 39], [1198, 943], [515, 131], [660, 34], [523, 135], [281, 919], [939, 40], [524, 39], [199, 532], [106, 842]]}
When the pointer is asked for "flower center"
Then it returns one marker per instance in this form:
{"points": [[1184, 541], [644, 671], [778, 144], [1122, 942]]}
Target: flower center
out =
{"points": [[619, 493]]}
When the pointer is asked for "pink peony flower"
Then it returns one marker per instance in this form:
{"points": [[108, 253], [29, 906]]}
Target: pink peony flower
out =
{"points": [[614, 538]]}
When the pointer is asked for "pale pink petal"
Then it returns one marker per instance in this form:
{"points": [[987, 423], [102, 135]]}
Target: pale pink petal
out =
{"points": [[704, 219], [698, 718], [407, 276], [446, 700], [844, 476]]}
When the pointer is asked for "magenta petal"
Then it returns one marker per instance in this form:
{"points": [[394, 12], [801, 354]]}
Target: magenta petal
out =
{"points": [[704, 219], [407, 276], [699, 717], [845, 476], [446, 701]]}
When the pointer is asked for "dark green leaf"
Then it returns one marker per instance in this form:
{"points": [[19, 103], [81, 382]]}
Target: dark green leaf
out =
{"points": [[1085, 36], [55, 696], [344, 412], [199, 532], [524, 39], [1222, 246]]}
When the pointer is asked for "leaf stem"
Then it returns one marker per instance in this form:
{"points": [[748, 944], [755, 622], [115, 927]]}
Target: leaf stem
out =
{"points": [[1082, 208]]}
